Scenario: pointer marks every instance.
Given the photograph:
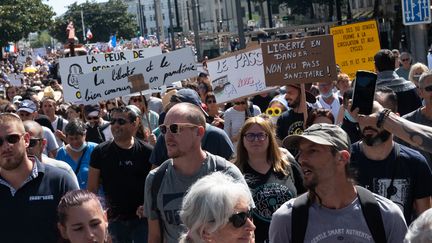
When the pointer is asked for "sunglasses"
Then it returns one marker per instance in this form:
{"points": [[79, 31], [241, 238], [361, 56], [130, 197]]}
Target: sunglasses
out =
{"points": [[240, 103], [428, 88], [250, 137], [239, 219], [175, 127], [211, 101], [405, 59], [11, 111], [136, 99], [92, 117], [274, 111], [34, 141], [120, 121], [12, 139]]}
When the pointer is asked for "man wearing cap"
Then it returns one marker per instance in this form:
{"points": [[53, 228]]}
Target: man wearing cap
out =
{"points": [[27, 111], [214, 141], [390, 169], [291, 121], [98, 130], [121, 165], [331, 210]]}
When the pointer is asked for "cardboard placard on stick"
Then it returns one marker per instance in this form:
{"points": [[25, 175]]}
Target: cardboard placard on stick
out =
{"points": [[137, 83], [305, 60]]}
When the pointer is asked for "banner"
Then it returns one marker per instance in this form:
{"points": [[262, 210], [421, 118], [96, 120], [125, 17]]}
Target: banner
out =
{"points": [[238, 75], [355, 46], [70, 67], [305, 60], [15, 79], [156, 71]]}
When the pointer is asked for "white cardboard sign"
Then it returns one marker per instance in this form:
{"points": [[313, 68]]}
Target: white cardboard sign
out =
{"points": [[70, 67], [157, 71], [238, 76]]}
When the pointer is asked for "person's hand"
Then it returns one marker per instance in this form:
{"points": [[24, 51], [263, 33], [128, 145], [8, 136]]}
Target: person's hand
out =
{"points": [[152, 139], [366, 120], [140, 212], [60, 135]]}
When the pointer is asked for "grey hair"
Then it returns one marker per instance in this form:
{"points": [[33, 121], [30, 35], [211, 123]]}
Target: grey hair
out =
{"points": [[75, 127], [420, 231], [424, 76], [209, 203]]}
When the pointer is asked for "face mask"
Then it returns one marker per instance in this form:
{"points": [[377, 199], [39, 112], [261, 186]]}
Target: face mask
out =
{"points": [[274, 119], [328, 94], [78, 149], [349, 117]]}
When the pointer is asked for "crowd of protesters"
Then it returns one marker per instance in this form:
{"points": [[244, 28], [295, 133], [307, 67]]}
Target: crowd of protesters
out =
{"points": [[142, 168]]}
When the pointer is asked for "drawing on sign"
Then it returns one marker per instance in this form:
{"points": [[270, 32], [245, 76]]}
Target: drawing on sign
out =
{"points": [[222, 86], [416, 12], [72, 80]]}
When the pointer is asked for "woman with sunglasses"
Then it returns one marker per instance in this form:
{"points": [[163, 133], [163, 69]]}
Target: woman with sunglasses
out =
{"points": [[77, 152], [149, 118], [215, 115], [272, 174], [81, 218], [217, 209]]}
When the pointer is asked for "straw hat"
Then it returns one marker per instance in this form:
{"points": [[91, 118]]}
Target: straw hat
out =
{"points": [[49, 92]]}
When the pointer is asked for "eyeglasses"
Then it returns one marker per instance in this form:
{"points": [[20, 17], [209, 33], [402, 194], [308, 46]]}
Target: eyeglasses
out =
{"points": [[428, 88], [276, 111], [120, 121], [34, 141], [92, 117], [11, 138], [240, 103], [239, 219], [175, 127], [11, 111], [24, 114], [250, 137], [136, 99], [211, 101], [405, 59]]}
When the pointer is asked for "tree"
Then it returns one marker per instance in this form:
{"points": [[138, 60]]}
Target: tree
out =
{"points": [[18, 18], [42, 40], [104, 19]]}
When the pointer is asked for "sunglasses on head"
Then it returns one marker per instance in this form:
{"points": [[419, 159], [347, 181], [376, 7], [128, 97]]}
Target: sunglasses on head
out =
{"points": [[240, 103], [255, 136], [11, 138], [120, 121], [136, 99], [34, 141], [175, 127], [239, 219], [92, 117]]}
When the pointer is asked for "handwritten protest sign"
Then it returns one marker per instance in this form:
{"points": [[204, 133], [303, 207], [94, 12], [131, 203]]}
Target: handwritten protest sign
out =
{"points": [[355, 46], [306, 60], [238, 75], [157, 71], [71, 67], [15, 79]]}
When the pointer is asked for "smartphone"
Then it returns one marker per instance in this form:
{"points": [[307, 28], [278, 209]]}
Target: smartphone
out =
{"points": [[364, 92]]}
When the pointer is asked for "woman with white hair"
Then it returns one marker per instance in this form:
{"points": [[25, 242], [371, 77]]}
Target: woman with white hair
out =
{"points": [[217, 209], [420, 231]]}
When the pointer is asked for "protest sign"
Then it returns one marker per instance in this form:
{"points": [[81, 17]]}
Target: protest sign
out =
{"points": [[355, 46], [70, 67], [157, 71], [305, 60], [237, 75], [15, 79]]}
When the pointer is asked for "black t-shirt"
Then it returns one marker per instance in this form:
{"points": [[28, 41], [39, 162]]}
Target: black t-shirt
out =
{"points": [[123, 173], [269, 192], [289, 123], [262, 102], [408, 101], [412, 176], [352, 129]]}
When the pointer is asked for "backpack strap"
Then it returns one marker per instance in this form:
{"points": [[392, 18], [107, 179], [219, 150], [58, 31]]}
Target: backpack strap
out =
{"points": [[101, 129], [372, 214], [299, 219], [154, 190]]}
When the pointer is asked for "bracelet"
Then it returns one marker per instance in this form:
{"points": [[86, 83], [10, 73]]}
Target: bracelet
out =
{"points": [[382, 116]]}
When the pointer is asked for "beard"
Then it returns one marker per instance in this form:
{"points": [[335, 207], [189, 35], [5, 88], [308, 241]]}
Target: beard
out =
{"points": [[295, 103], [13, 162], [373, 140]]}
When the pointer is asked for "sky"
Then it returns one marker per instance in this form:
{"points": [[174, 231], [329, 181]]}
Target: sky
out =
{"points": [[60, 6]]}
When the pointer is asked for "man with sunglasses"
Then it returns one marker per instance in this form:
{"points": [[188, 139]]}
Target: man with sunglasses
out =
{"points": [[406, 62], [36, 147], [121, 166], [333, 208], [98, 130], [184, 127], [29, 190], [407, 97], [27, 111]]}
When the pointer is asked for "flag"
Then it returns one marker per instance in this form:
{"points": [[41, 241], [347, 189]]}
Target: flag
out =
{"points": [[89, 34], [113, 41]]}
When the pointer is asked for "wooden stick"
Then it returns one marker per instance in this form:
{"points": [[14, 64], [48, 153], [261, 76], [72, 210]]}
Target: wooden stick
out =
{"points": [[303, 105]]}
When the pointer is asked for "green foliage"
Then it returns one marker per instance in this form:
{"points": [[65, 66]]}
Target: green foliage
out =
{"points": [[103, 19], [20, 17], [43, 40]]}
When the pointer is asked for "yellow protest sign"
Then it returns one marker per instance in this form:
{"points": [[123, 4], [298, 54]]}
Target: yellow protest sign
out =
{"points": [[355, 46]]}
